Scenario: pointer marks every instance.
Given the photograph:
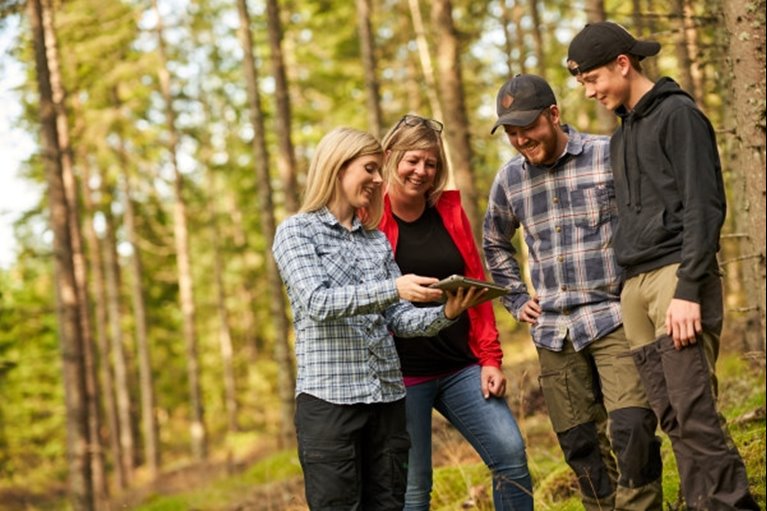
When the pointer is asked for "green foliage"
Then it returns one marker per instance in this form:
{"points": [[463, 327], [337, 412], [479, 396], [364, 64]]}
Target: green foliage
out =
{"points": [[31, 393]]}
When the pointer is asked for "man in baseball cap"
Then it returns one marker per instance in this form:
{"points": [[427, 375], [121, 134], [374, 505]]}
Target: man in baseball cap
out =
{"points": [[600, 43], [671, 207], [559, 189], [521, 99]]}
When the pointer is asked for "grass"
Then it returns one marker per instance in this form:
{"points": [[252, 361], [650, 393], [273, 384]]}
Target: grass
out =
{"points": [[461, 481]]}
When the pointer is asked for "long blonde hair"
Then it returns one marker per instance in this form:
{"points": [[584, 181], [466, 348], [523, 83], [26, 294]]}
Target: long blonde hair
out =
{"points": [[404, 137], [334, 152]]}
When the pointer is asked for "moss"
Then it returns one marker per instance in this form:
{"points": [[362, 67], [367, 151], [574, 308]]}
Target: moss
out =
{"points": [[282, 465]]}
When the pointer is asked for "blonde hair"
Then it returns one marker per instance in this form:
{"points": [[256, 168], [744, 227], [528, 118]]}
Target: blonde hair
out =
{"points": [[333, 153], [404, 137]]}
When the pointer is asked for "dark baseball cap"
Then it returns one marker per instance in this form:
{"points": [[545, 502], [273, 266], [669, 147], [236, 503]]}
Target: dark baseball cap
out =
{"points": [[521, 100], [599, 43]]}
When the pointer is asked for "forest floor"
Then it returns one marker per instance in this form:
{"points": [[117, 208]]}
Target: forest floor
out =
{"points": [[247, 486], [265, 478]]}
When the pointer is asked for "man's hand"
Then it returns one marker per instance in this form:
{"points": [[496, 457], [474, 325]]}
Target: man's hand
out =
{"points": [[493, 382], [530, 312], [683, 322]]}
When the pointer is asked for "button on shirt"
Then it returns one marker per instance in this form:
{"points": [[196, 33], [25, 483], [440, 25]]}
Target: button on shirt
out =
{"points": [[341, 286], [568, 213]]}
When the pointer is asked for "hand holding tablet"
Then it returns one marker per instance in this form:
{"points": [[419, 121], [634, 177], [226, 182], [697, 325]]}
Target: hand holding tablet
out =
{"points": [[454, 282]]}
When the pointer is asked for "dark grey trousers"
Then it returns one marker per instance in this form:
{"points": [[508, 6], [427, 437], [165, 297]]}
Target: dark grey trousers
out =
{"points": [[354, 457], [681, 387], [680, 390]]}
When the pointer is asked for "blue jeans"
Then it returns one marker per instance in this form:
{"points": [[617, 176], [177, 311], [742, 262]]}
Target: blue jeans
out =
{"points": [[487, 424]]}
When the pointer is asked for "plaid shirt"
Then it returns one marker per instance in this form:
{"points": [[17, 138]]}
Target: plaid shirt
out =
{"points": [[568, 213], [341, 285]]}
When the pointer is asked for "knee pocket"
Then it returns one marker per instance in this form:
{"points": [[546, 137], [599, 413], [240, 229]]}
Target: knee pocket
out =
{"points": [[583, 453], [636, 447]]}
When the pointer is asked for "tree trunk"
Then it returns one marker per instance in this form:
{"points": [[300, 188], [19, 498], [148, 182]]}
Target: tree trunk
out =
{"points": [[650, 66], [747, 61], [286, 157], [367, 47], [412, 83], [119, 357], [102, 320], [687, 51], [261, 162], [693, 50], [456, 118], [146, 380], [426, 65], [595, 11], [198, 431], [101, 492], [537, 30], [224, 332], [508, 41], [245, 289], [517, 13], [67, 308]]}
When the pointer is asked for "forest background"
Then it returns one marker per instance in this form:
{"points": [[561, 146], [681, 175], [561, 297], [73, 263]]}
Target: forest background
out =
{"points": [[143, 326]]}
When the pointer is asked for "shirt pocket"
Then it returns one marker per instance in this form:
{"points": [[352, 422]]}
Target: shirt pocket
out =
{"points": [[339, 265], [592, 206], [372, 262]]}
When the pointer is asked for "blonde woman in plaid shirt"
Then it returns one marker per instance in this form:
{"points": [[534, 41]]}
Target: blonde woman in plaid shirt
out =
{"points": [[348, 297]]}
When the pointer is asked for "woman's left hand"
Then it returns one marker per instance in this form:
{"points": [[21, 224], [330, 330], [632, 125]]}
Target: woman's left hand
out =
{"points": [[493, 382], [462, 299]]}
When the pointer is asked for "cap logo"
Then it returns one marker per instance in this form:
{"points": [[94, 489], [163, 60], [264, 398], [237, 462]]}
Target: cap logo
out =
{"points": [[507, 100]]}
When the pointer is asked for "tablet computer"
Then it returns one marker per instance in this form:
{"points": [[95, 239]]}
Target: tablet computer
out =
{"points": [[454, 282]]}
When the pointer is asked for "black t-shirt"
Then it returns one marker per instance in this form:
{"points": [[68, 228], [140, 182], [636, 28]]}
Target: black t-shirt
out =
{"points": [[425, 248]]}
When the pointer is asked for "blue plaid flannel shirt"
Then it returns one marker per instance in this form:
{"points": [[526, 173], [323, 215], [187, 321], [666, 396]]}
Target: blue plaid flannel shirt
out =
{"points": [[568, 213], [341, 285]]}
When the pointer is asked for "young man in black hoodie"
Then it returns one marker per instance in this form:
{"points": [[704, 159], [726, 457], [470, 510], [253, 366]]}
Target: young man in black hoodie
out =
{"points": [[671, 206]]}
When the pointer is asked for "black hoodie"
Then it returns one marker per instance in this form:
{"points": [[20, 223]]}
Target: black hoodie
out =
{"points": [[669, 188]]}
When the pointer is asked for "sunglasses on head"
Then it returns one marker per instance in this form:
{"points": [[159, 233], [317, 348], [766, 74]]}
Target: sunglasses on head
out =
{"points": [[414, 120]]}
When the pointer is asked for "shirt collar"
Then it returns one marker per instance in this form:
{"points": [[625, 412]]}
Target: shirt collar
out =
{"points": [[330, 219], [575, 141]]}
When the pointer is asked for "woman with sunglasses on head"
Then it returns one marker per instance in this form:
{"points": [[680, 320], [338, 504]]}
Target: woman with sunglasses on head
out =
{"points": [[347, 295], [456, 371]]}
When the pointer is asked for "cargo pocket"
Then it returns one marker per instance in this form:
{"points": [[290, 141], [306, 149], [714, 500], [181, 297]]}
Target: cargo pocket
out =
{"points": [[398, 458], [330, 473], [554, 388], [570, 397]]}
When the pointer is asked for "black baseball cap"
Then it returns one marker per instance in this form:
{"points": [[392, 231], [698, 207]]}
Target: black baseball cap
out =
{"points": [[599, 43], [521, 100]]}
